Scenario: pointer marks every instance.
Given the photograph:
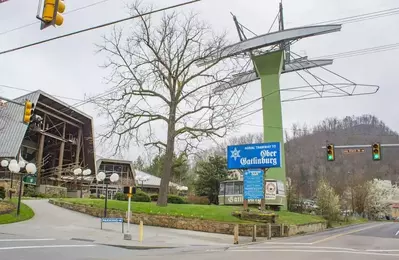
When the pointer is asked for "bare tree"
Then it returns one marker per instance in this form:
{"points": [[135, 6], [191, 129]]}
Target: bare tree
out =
{"points": [[160, 97]]}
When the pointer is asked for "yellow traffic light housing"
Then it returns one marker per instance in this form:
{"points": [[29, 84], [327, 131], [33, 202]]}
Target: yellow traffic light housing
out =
{"points": [[330, 152], [376, 149], [51, 15], [28, 112]]}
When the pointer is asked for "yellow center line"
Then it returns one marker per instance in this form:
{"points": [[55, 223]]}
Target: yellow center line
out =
{"points": [[346, 233]]}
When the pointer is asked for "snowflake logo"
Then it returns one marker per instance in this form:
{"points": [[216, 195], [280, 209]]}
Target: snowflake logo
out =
{"points": [[235, 154]]}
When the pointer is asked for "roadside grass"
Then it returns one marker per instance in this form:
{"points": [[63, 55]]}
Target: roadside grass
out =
{"points": [[206, 212], [25, 214], [350, 221]]}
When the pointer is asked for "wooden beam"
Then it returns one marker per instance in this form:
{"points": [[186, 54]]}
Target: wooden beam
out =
{"points": [[61, 155], [58, 117]]}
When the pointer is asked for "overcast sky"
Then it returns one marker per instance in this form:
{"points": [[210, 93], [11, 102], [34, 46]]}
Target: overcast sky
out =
{"points": [[70, 68]]}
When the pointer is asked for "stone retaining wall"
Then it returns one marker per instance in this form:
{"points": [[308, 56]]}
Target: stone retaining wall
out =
{"points": [[189, 223]]}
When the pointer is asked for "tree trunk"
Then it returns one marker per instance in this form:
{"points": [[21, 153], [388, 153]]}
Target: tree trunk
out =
{"points": [[168, 159]]}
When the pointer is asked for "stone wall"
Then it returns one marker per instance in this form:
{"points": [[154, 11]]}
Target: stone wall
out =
{"points": [[15, 186], [187, 223], [54, 191], [306, 228]]}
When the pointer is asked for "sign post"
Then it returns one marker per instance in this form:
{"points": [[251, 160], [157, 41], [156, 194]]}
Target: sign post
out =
{"points": [[256, 157], [253, 186], [129, 191], [112, 220]]}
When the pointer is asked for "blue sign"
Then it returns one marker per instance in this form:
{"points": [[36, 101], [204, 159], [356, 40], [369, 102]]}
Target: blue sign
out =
{"points": [[253, 184], [250, 156], [111, 219]]}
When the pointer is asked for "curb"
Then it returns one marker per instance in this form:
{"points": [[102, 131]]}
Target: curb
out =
{"points": [[139, 247]]}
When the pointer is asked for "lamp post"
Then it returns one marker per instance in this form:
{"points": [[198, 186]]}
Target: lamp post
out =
{"points": [[142, 179], [113, 178], [4, 163], [79, 172], [15, 167]]}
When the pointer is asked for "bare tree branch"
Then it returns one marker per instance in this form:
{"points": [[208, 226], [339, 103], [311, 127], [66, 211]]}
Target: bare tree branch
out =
{"points": [[161, 98]]}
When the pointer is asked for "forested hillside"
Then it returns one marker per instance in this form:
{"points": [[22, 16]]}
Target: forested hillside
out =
{"points": [[306, 161]]}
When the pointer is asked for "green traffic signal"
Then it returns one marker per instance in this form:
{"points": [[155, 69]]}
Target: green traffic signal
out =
{"points": [[376, 151], [330, 152]]}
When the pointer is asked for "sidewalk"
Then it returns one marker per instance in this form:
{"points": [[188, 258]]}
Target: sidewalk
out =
{"points": [[54, 222]]}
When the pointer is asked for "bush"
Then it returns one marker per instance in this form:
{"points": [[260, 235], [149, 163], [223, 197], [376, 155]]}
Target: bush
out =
{"points": [[92, 196], [2, 193], [173, 199], [120, 196], [102, 196], [201, 200], [154, 197], [30, 191], [141, 196]]}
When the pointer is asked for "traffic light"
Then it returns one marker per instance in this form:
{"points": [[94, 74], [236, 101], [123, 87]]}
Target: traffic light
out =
{"points": [[330, 152], [376, 152], [28, 112], [129, 190], [52, 11]]}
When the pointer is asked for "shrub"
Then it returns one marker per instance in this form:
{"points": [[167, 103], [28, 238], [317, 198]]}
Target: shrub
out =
{"points": [[141, 196], [93, 196], [2, 192], [202, 200], [154, 197], [120, 196], [30, 191], [173, 199], [102, 196]]}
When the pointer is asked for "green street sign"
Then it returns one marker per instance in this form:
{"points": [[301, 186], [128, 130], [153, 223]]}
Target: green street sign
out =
{"points": [[30, 180]]}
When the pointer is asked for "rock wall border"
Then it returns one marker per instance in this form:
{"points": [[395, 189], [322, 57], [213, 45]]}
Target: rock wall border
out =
{"points": [[194, 224]]}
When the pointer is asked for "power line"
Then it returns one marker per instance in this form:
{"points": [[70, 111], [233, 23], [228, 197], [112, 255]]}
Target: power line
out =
{"points": [[97, 27], [359, 52], [37, 22], [362, 17], [28, 90]]}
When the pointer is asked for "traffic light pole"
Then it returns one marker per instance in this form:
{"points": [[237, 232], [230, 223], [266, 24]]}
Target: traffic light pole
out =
{"points": [[12, 101], [360, 146]]}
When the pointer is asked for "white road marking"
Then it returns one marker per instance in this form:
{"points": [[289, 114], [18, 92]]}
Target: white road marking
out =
{"points": [[382, 250], [44, 246], [305, 247], [286, 243], [26, 239], [345, 233], [397, 233], [316, 251]]}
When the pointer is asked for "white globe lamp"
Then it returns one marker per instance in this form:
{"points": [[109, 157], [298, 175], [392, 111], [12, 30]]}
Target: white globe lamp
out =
{"points": [[30, 168], [100, 176], [14, 167], [114, 177], [4, 163], [86, 172], [77, 171], [21, 164]]}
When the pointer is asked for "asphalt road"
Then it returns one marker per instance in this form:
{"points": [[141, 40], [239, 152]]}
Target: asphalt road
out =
{"points": [[371, 241], [32, 248], [52, 234]]}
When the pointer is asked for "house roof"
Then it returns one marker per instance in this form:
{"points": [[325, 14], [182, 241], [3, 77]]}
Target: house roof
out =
{"points": [[101, 159], [153, 180], [12, 129]]}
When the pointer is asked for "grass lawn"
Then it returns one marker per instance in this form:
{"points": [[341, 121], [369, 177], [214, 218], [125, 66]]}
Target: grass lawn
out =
{"points": [[25, 214], [208, 212], [350, 221]]}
